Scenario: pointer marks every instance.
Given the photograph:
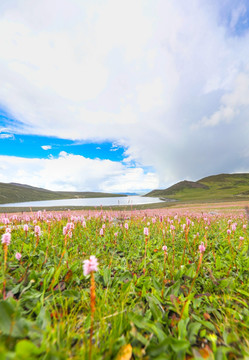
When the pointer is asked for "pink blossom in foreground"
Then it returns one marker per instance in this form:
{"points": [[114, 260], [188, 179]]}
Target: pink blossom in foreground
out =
{"points": [[241, 238], [25, 227], [90, 265], [228, 232], [202, 247], [164, 248], [146, 231], [8, 230], [18, 256], [101, 232], [37, 230], [115, 234], [244, 226], [6, 238], [126, 226]]}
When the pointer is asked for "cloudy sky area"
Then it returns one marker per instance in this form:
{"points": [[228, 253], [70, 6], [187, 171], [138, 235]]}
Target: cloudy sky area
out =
{"points": [[122, 95]]}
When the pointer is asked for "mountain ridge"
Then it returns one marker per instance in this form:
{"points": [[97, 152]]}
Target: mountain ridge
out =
{"points": [[15, 192], [214, 187]]}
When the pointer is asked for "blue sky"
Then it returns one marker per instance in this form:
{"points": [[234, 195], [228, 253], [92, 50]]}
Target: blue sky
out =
{"points": [[121, 96]]}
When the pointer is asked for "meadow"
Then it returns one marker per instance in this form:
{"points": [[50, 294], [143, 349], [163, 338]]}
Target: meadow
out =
{"points": [[139, 284]]}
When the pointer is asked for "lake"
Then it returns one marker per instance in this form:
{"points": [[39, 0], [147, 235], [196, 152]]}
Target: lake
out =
{"points": [[108, 201]]}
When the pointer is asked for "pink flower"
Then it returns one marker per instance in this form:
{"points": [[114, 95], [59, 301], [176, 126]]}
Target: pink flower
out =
{"points": [[183, 226], [84, 224], [228, 232], [244, 226], [164, 248], [18, 256], [172, 227], [233, 227], [115, 234], [64, 230], [37, 230], [25, 227], [8, 230], [126, 226], [202, 247], [146, 231], [101, 232], [6, 238], [90, 265], [241, 238]]}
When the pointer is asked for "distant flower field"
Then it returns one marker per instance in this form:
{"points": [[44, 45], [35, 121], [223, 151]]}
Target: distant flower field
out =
{"points": [[153, 284]]}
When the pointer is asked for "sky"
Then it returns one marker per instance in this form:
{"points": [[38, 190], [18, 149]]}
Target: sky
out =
{"points": [[122, 95]]}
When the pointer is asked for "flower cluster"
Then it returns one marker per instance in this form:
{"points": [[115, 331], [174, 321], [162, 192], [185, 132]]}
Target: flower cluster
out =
{"points": [[90, 265], [6, 238]]}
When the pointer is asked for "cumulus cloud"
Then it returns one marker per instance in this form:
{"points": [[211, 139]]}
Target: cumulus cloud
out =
{"points": [[167, 80], [76, 173]]}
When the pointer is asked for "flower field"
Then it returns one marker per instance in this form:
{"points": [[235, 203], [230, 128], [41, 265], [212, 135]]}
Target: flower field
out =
{"points": [[153, 284]]}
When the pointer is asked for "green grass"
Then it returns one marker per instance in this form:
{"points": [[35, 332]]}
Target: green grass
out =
{"points": [[223, 187], [197, 308]]}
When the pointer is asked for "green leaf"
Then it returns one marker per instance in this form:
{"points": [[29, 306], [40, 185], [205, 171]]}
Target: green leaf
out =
{"points": [[26, 350], [193, 330]]}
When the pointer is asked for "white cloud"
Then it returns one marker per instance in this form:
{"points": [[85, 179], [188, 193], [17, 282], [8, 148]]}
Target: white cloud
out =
{"points": [[7, 136], [46, 147], [75, 173], [166, 79]]}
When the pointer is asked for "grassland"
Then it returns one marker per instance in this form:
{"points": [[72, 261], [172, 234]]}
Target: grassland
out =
{"points": [[223, 187], [151, 302]]}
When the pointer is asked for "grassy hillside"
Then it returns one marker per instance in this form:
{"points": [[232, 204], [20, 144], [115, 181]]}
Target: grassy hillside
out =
{"points": [[211, 188], [11, 193]]}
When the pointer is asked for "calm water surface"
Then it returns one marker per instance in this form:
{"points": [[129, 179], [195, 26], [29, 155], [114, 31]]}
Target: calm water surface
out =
{"points": [[109, 201]]}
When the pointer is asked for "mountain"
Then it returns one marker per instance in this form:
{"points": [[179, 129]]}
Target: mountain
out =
{"points": [[14, 192], [214, 188]]}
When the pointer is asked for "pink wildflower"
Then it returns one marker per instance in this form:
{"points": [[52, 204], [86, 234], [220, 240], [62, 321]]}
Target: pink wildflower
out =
{"points": [[228, 232], [90, 265], [6, 238], [126, 226], [18, 256], [244, 226], [202, 247], [241, 238], [25, 227], [101, 232], [115, 234], [37, 230], [146, 231], [164, 248], [8, 230], [64, 230]]}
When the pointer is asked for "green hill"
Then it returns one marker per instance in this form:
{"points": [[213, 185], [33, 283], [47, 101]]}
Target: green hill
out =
{"points": [[211, 188], [13, 192]]}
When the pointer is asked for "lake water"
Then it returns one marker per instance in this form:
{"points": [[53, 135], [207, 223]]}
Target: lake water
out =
{"points": [[109, 201]]}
